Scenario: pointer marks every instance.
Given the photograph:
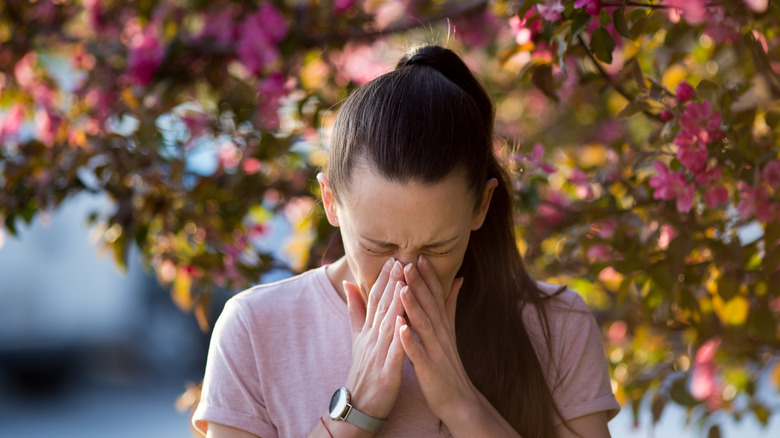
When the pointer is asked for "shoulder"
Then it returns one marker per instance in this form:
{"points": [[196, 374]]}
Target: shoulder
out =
{"points": [[563, 306], [281, 293]]}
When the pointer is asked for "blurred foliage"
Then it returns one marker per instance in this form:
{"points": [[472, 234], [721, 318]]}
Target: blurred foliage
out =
{"points": [[642, 138]]}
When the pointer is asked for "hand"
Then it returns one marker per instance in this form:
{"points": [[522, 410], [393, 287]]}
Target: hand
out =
{"points": [[377, 355], [443, 380]]}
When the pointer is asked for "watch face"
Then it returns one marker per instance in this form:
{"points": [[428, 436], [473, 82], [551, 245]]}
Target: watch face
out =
{"points": [[338, 403]]}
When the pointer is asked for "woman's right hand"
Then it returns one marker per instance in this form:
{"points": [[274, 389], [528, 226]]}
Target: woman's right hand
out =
{"points": [[377, 354]]}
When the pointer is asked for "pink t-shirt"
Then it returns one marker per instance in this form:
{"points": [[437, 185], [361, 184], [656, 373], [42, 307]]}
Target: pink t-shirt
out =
{"points": [[279, 351]]}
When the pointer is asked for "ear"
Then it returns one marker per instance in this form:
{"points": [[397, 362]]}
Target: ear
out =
{"points": [[328, 199], [484, 204]]}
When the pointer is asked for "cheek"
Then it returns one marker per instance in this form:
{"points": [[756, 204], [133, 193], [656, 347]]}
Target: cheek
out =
{"points": [[364, 267], [446, 269]]}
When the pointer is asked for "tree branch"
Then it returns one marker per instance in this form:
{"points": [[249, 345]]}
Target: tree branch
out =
{"points": [[619, 88], [458, 10]]}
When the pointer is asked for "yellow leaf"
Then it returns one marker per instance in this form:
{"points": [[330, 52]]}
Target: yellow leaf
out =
{"points": [[592, 155], [673, 76], [181, 290], [733, 311], [775, 375], [129, 98], [259, 214]]}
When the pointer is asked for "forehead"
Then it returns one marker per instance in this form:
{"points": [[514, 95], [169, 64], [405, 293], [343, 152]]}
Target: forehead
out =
{"points": [[413, 212]]}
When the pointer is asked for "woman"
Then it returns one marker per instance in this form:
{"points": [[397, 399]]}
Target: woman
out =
{"points": [[443, 332]]}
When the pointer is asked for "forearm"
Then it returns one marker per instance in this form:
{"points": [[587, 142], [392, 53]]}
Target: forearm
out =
{"points": [[327, 428], [477, 418]]}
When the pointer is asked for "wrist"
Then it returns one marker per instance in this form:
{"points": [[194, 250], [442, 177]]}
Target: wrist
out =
{"points": [[343, 429], [342, 409]]}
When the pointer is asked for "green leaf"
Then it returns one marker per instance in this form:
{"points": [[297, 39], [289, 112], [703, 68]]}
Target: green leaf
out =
{"points": [[634, 107], [579, 22], [604, 17], [706, 85], [619, 19], [638, 27], [602, 45]]}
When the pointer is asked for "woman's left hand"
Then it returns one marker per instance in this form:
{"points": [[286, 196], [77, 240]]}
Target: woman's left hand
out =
{"points": [[443, 380]]}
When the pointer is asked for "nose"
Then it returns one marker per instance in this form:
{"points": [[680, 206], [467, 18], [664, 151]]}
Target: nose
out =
{"points": [[406, 257]]}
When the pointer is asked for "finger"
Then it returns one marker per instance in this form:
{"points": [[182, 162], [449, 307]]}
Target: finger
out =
{"points": [[386, 297], [433, 307], [428, 274], [387, 326], [451, 304], [395, 354], [412, 347], [356, 306], [422, 323], [379, 285]]}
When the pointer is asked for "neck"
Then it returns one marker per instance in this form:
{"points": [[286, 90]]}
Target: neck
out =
{"points": [[339, 272]]}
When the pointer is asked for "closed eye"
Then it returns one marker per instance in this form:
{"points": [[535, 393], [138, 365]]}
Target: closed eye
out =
{"points": [[374, 252]]}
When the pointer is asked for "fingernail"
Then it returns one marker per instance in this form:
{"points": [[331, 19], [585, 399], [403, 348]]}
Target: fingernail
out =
{"points": [[405, 290], [389, 262], [408, 268]]}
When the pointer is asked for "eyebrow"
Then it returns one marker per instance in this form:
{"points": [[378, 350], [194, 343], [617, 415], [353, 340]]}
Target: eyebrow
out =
{"points": [[384, 244]]}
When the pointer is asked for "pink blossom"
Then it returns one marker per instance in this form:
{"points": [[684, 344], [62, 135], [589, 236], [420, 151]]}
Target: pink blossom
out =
{"points": [[684, 91], [550, 10], [705, 384], [666, 234], [691, 153], [699, 121], [599, 253], [617, 332], [229, 155], [771, 174], [536, 159], [757, 6], [259, 36], [476, 30], [693, 11], [592, 7], [24, 70], [270, 92], [671, 185], [524, 29], [251, 165], [220, 26], [605, 228], [709, 176], [721, 27], [360, 62], [755, 200], [46, 126], [11, 122], [146, 54], [583, 188], [341, 6], [666, 115], [716, 195], [551, 213]]}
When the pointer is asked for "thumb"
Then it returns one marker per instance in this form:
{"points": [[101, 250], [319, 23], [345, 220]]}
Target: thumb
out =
{"points": [[357, 307], [451, 303]]}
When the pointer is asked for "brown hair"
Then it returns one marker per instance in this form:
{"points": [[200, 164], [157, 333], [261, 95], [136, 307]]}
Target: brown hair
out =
{"points": [[420, 122]]}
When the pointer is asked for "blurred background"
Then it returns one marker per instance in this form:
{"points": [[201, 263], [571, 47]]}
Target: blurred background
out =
{"points": [[156, 157]]}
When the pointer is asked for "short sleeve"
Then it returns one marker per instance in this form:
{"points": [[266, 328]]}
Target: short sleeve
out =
{"points": [[232, 394], [582, 386]]}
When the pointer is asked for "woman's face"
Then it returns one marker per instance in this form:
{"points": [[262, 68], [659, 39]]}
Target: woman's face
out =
{"points": [[381, 219]]}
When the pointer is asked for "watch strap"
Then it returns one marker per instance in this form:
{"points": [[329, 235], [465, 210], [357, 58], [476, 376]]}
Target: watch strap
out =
{"points": [[365, 422]]}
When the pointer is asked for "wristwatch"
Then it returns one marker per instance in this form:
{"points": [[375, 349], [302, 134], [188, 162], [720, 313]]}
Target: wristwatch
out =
{"points": [[341, 409]]}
